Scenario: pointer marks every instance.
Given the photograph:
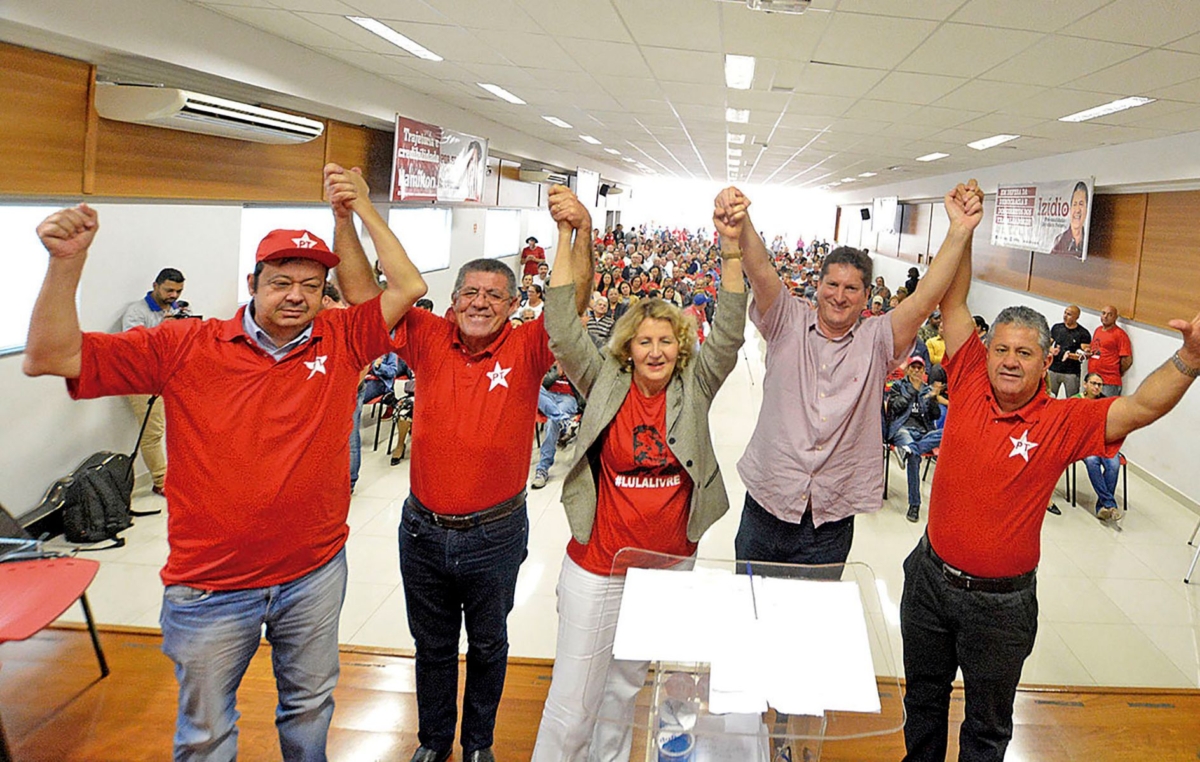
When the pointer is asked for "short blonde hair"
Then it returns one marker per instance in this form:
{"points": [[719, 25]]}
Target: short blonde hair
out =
{"points": [[682, 325]]}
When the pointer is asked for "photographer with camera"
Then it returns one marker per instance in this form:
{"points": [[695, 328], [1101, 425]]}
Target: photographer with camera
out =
{"points": [[159, 303]]}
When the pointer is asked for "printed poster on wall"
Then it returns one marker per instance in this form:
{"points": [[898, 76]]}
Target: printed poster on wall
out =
{"points": [[435, 164], [1048, 217]]}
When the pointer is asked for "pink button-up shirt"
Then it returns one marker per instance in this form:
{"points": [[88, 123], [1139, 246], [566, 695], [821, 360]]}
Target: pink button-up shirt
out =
{"points": [[819, 435]]}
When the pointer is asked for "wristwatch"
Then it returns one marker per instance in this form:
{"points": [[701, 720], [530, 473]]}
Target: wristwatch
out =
{"points": [[1183, 367]]}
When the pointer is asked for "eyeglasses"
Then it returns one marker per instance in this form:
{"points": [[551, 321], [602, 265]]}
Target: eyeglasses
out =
{"points": [[491, 296]]}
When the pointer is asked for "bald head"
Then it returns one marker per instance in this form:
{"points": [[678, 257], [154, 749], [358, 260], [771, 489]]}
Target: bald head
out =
{"points": [[1108, 318], [1071, 316]]}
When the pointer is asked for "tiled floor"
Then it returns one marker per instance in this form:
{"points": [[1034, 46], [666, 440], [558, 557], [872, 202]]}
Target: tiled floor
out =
{"points": [[1114, 609]]}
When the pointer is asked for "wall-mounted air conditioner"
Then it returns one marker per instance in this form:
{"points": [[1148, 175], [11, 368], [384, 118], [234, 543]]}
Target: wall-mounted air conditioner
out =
{"points": [[542, 176], [194, 112]]}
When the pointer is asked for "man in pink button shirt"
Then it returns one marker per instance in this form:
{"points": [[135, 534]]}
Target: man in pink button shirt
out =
{"points": [[813, 461]]}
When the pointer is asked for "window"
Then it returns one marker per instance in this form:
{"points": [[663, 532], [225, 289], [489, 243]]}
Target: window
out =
{"points": [[425, 235], [25, 267], [257, 221], [502, 233]]}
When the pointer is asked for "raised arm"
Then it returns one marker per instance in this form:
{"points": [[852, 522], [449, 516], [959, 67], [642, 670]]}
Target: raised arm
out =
{"points": [[573, 261], [348, 188], [355, 276], [756, 260], [964, 205], [1161, 390], [55, 343]]}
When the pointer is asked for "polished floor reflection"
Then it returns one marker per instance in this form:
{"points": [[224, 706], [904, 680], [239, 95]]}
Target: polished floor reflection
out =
{"points": [[1114, 608]]}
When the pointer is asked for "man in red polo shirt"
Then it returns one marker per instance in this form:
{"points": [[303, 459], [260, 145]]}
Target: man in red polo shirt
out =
{"points": [[258, 412], [969, 596], [1110, 354], [532, 256], [464, 527]]}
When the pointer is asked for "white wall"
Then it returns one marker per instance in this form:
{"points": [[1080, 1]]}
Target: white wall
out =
{"points": [[1163, 449], [45, 434]]}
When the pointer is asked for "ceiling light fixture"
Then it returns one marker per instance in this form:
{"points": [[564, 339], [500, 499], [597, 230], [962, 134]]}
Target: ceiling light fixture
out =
{"points": [[629, 159], [736, 138], [613, 151], [847, 179], [932, 156], [1106, 109], [557, 122], [739, 71], [391, 35], [995, 140], [733, 152], [737, 115], [868, 174], [502, 94], [589, 139]]}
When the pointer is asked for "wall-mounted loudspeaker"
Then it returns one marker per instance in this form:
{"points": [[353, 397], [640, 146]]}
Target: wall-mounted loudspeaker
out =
{"points": [[865, 212], [604, 189]]}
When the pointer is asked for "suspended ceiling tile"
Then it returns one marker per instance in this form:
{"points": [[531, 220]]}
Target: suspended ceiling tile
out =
{"points": [[985, 95], [672, 65], [770, 35], [1143, 22], [1057, 59], [967, 51], [1151, 70], [493, 15], [405, 11], [673, 23], [579, 20], [1034, 15], [935, 10], [829, 79], [289, 26], [932, 116], [907, 87], [1055, 103], [686, 92], [612, 58], [886, 111], [536, 51], [875, 42]]}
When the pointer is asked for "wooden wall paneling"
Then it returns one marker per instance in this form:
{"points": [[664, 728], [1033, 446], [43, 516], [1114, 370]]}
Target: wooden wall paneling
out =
{"points": [[43, 121], [996, 264], [1109, 276], [134, 160], [838, 221], [370, 150], [1169, 275], [91, 137], [915, 220]]}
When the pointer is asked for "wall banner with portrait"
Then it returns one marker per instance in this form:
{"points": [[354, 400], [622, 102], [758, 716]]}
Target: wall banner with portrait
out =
{"points": [[432, 163], [1047, 217]]}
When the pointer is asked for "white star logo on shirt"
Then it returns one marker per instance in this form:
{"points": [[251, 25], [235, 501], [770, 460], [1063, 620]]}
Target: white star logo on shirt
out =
{"points": [[1022, 446], [498, 376], [304, 242], [316, 366]]}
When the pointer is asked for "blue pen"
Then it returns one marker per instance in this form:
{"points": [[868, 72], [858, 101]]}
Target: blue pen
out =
{"points": [[753, 599]]}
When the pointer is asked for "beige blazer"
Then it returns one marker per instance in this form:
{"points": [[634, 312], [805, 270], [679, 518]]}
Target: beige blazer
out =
{"points": [[604, 382]]}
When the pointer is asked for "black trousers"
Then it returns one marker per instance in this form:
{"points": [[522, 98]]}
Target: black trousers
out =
{"points": [[988, 635], [763, 537]]}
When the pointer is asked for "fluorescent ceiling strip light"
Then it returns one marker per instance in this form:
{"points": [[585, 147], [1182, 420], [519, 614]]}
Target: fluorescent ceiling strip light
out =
{"points": [[394, 37], [739, 71], [589, 139], [733, 152], [995, 140], [557, 122], [737, 115], [847, 179], [868, 174], [629, 159], [613, 151], [501, 93], [932, 156], [1106, 109], [736, 138]]}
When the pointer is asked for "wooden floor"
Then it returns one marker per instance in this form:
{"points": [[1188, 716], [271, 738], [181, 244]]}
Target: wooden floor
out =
{"points": [[56, 709]]}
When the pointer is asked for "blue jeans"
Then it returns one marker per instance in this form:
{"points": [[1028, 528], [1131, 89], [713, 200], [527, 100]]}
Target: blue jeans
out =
{"points": [[761, 536], [559, 409], [371, 389], [988, 635], [449, 575], [1103, 473], [212, 635], [916, 444]]}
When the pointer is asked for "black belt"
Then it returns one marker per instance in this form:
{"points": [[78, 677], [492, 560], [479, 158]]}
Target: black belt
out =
{"points": [[963, 581], [468, 520]]}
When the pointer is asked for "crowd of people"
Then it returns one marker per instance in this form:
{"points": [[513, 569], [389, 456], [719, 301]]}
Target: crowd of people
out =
{"points": [[634, 332]]}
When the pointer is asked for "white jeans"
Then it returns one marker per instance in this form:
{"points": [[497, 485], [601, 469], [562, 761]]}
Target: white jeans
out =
{"points": [[588, 716]]}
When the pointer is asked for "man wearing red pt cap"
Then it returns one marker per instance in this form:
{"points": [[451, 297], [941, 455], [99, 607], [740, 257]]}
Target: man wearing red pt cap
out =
{"points": [[258, 413], [464, 527], [969, 596]]}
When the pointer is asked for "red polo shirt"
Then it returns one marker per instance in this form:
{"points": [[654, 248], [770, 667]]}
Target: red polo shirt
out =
{"points": [[1109, 345], [259, 484], [474, 416], [997, 471]]}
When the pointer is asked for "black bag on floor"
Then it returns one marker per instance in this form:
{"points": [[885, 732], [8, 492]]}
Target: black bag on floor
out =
{"points": [[94, 501]]}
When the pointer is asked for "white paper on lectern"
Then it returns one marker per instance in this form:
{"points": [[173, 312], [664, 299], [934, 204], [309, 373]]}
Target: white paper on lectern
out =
{"points": [[806, 652]]}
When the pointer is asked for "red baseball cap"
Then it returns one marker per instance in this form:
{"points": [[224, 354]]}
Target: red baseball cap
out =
{"points": [[917, 359], [295, 244]]}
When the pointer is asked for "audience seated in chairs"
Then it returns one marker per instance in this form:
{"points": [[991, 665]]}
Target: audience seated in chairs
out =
{"points": [[1102, 471], [912, 415], [379, 380]]}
